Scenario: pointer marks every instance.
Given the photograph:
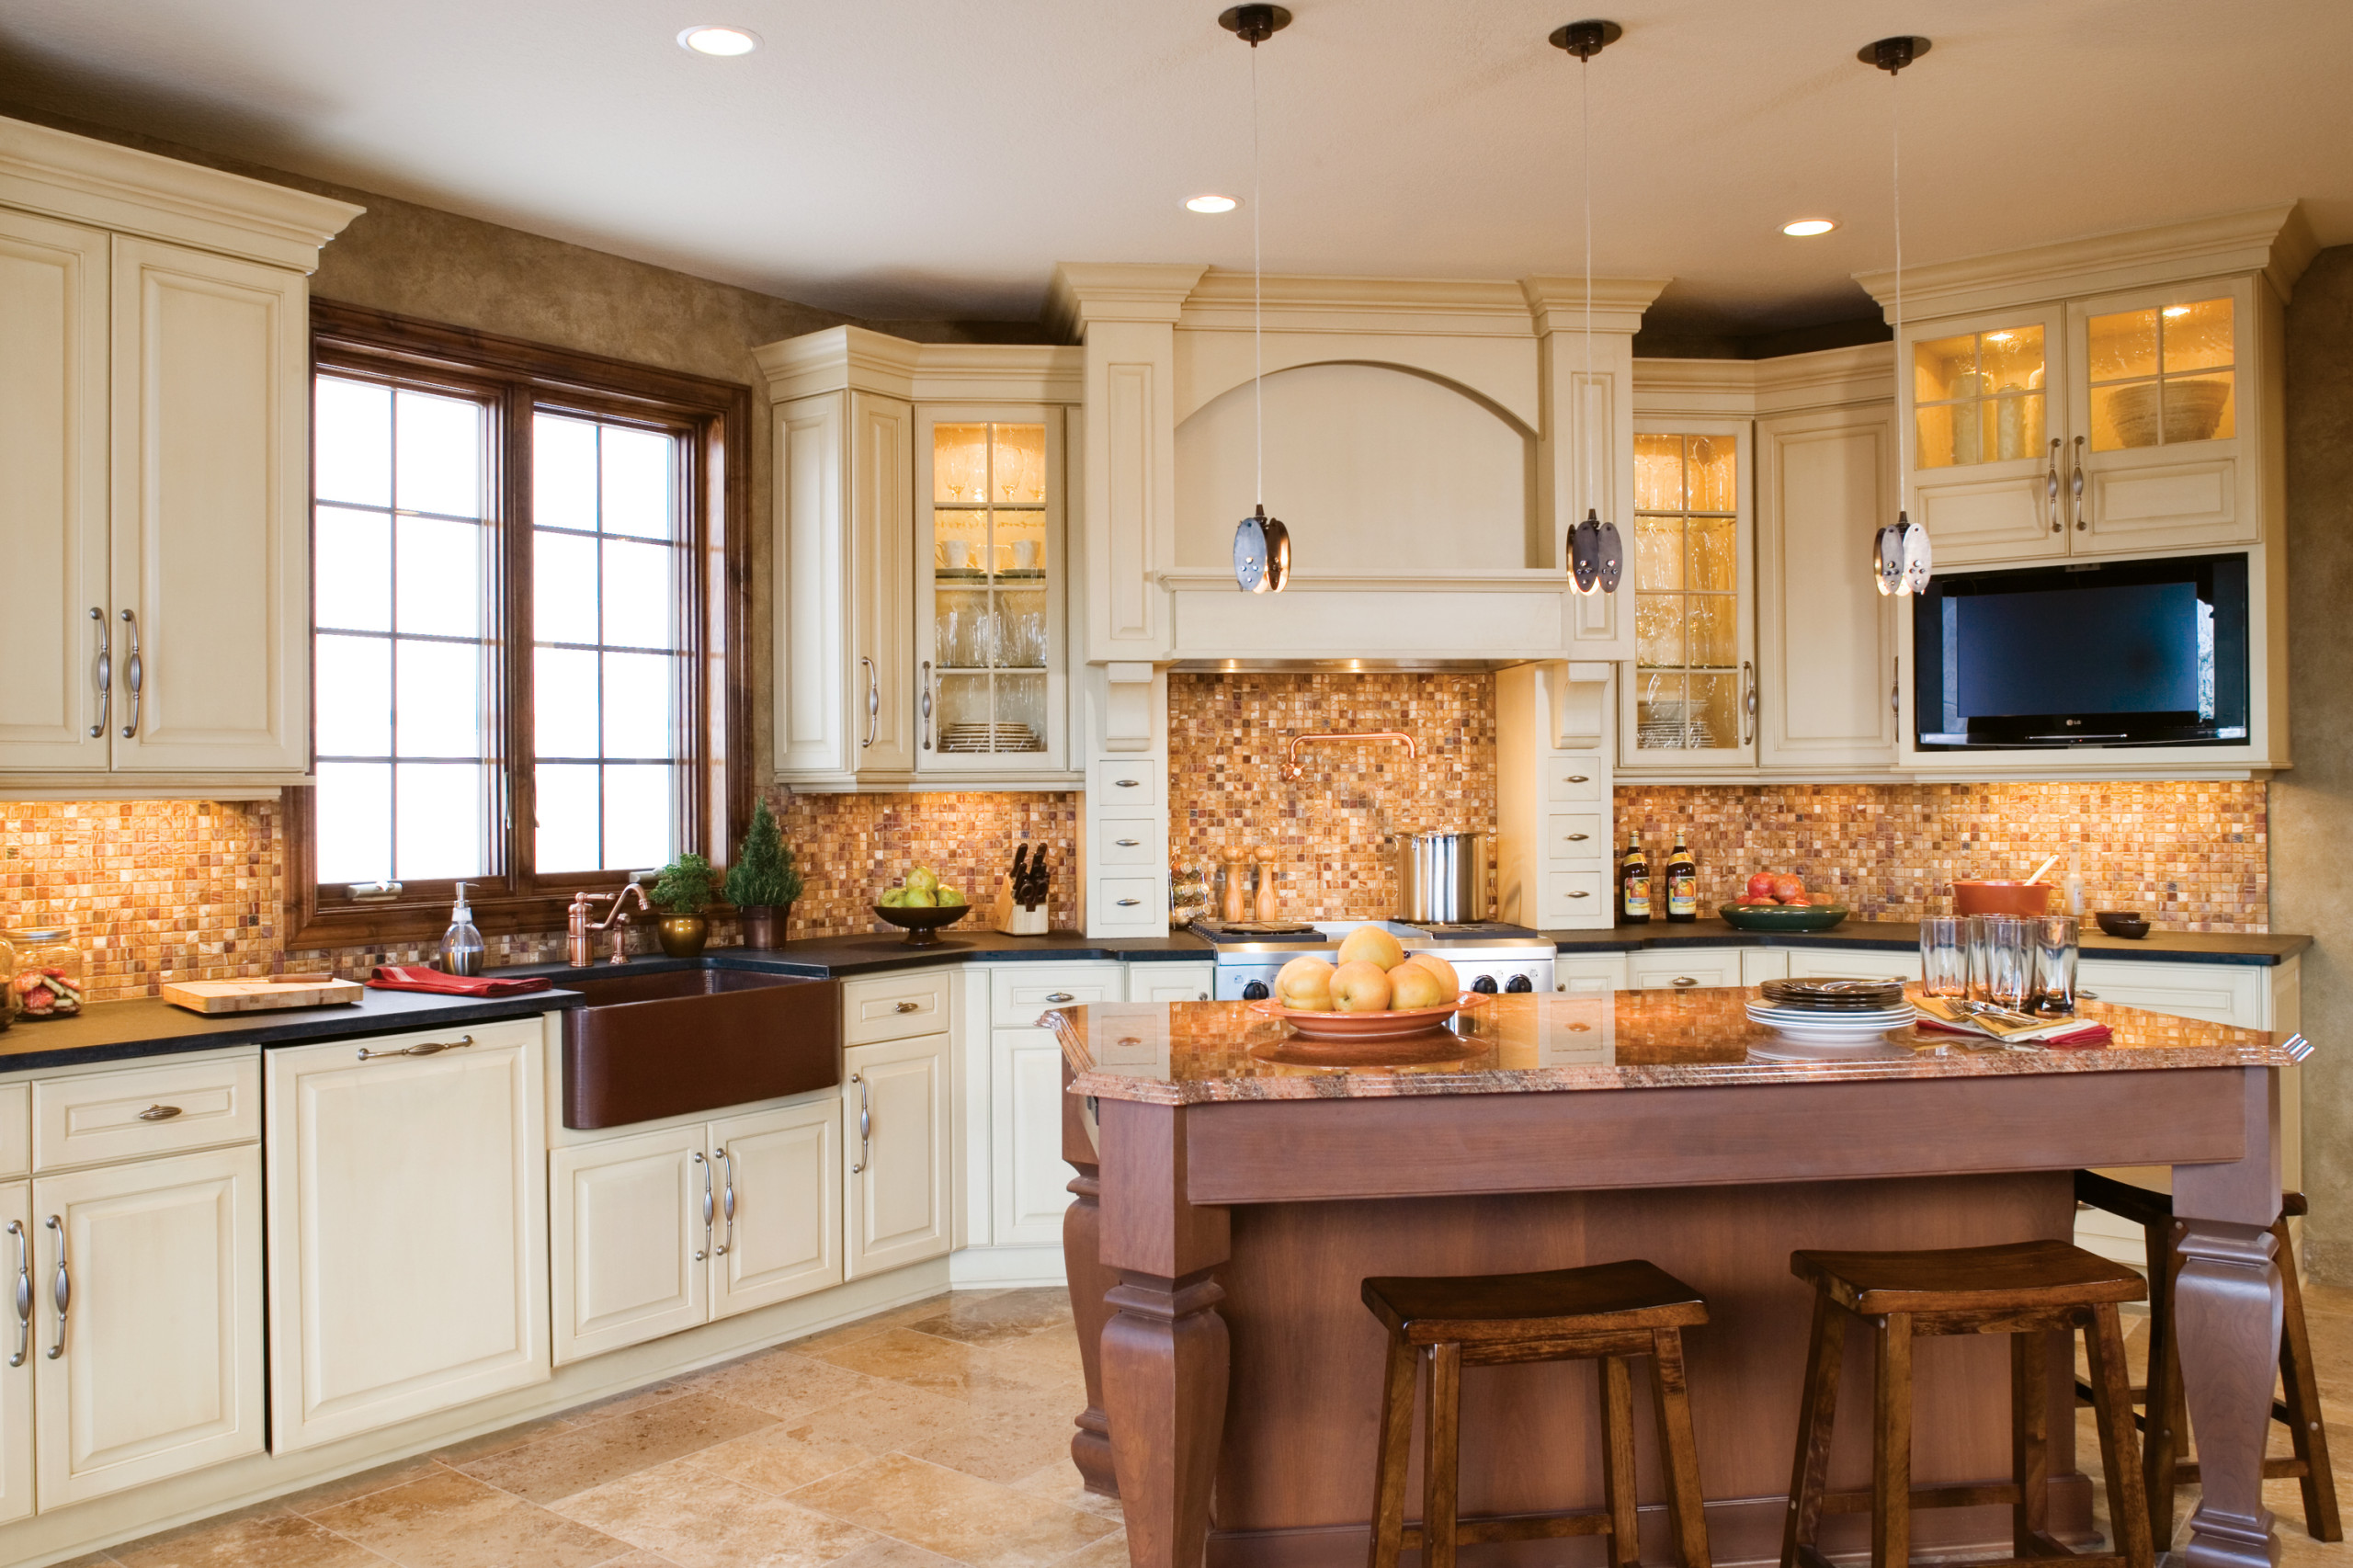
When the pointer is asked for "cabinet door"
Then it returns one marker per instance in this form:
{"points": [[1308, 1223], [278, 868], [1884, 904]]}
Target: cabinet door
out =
{"points": [[162, 1368], [1688, 704], [1030, 1180], [631, 1246], [816, 671], [20, 1257], [896, 1149], [211, 543], [1170, 982], [1825, 634], [1982, 395], [54, 280], [882, 531], [2222, 993], [408, 1242], [781, 1209]]}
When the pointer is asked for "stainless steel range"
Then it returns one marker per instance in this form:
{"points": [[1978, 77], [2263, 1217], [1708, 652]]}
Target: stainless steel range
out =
{"points": [[1489, 957]]}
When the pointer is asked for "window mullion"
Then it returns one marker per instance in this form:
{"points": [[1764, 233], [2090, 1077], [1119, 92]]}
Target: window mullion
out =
{"points": [[516, 787]]}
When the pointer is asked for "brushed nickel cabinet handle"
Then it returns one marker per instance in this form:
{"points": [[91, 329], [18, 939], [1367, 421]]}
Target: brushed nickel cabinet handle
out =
{"points": [[1579, 893], [727, 1199], [865, 1125], [1748, 702], [2088, 995], [1579, 778], [1060, 997], [926, 684], [2077, 484], [705, 1251], [873, 701], [1128, 903], [1578, 837], [909, 1006], [1895, 688], [1128, 783], [159, 1113], [105, 672], [1685, 979], [60, 1287], [2051, 487], [23, 1293], [1128, 843], [133, 673], [423, 1048]]}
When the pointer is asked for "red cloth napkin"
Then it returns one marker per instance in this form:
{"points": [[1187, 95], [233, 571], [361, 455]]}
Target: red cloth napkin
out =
{"points": [[2085, 1034], [416, 977]]}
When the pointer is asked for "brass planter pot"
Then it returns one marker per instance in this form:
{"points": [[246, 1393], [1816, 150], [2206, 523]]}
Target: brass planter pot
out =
{"points": [[682, 936]]}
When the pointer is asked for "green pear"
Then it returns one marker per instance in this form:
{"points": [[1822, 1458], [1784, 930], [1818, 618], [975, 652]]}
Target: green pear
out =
{"points": [[892, 898], [923, 878], [920, 898], [947, 898]]}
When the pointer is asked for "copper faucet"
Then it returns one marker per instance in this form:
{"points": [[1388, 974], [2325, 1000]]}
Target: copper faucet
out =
{"points": [[1291, 767], [579, 947]]}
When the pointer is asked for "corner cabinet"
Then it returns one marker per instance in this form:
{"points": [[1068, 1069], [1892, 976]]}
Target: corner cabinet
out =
{"points": [[156, 384]]}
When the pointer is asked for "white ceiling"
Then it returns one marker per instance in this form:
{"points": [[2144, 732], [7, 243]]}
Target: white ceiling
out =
{"points": [[934, 158]]}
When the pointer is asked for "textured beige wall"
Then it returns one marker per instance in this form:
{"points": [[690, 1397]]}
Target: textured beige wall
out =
{"points": [[2311, 803]]}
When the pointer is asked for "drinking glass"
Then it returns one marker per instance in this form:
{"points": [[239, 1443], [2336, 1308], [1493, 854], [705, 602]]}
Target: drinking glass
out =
{"points": [[2054, 964], [2001, 959], [1944, 956]]}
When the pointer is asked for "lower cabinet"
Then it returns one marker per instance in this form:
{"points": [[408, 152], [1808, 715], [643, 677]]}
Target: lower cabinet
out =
{"points": [[1853, 963], [658, 1232], [896, 1153], [1168, 982], [407, 1226], [1029, 1179], [1683, 968]]}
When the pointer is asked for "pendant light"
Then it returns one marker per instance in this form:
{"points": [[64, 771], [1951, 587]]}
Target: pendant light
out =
{"points": [[1261, 544], [1596, 554], [1900, 560]]}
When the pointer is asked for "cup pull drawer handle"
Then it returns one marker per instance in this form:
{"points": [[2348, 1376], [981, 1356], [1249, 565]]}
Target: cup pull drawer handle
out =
{"points": [[1685, 979], [1060, 997], [1127, 843], [159, 1113], [1130, 903], [1579, 893], [1580, 779], [909, 1006], [2086, 995], [1127, 783], [1578, 838], [424, 1048]]}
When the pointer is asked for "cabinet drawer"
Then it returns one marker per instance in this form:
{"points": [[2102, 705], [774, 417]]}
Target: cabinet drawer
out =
{"points": [[2222, 994], [99, 1117], [16, 1130], [1123, 784], [1575, 893], [1130, 902], [1596, 976], [898, 1007], [1170, 982], [1686, 970], [1571, 777], [1576, 836], [1841, 963], [1126, 841], [1017, 996]]}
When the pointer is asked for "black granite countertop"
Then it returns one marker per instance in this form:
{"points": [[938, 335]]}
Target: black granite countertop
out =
{"points": [[837, 958], [2162, 946]]}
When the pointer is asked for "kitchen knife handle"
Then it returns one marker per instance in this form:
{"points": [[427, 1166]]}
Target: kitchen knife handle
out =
{"points": [[133, 673], [105, 672]]}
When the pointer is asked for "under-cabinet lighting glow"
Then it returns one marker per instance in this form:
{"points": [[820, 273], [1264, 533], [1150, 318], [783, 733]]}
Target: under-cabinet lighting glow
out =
{"points": [[711, 39], [1806, 227], [1211, 203]]}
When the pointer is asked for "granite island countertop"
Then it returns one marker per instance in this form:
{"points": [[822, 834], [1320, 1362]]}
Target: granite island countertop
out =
{"points": [[1895, 936], [1192, 1052]]}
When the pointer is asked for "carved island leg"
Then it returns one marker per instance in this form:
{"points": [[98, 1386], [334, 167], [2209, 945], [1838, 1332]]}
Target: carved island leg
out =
{"points": [[1165, 1353], [2226, 1312], [1090, 1283]]}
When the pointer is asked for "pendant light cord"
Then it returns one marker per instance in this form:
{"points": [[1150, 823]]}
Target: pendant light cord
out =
{"points": [[1257, 297], [1584, 423], [1903, 430]]}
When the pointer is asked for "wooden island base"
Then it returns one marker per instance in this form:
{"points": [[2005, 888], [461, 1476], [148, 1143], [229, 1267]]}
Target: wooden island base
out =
{"points": [[1294, 1475]]}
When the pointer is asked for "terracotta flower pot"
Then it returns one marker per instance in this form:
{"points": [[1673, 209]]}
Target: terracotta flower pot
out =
{"points": [[763, 924], [682, 936]]}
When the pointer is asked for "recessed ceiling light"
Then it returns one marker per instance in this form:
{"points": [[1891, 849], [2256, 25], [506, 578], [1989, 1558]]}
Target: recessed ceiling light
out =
{"points": [[1212, 204], [710, 40], [1804, 227]]}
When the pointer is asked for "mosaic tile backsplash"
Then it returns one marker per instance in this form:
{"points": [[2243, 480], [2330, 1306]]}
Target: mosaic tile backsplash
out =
{"points": [[1328, 828]]}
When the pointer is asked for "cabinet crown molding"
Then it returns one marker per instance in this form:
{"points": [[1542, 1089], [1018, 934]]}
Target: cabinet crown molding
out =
{"points": [[1085, 291], [2276, 241], [1558, 303], [855, 359], [60, 175], [839, 358], [1863, 373]]}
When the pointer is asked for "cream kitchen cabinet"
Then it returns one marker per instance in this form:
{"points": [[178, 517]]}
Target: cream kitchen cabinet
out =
{"points": [[655, 1232], [1691, 697], [157, 380], [1857, 963], [1553, 812], [21, 1259], [407, 1226], [1170, 982], [1683, 968], [897, 1153]]}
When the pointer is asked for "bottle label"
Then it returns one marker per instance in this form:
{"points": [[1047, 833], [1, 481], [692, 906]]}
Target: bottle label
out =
{"points": [[1638, 895], [1682, 893]]}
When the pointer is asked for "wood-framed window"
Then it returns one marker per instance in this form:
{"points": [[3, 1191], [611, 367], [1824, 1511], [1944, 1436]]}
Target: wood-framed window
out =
{"points": [[529, 592]]}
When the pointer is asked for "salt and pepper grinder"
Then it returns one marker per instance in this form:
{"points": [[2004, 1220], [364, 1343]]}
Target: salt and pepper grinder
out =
{"points": [[1237, 889], [1269, 910]]}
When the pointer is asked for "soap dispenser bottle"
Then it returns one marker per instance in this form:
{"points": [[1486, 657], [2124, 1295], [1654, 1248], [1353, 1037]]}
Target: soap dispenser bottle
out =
{"points": [[461, 944]]}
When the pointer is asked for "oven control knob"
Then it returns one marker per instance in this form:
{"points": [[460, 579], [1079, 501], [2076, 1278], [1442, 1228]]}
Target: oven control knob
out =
{"points": [[1520, 983], [1484, 985], [1255, 992]]}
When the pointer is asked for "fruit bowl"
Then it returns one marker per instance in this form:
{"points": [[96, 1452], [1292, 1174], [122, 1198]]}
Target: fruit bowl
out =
{"points": [[1394, 1023], [1782, 917], [922, 926]]}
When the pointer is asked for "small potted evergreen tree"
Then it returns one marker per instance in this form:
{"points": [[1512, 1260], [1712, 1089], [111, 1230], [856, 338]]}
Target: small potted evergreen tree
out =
{"points": [[682, 893], [764, 880]]}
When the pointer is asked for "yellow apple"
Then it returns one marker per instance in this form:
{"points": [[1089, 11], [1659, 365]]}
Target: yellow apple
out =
{"points": [[1416, 985], [1449, 981], [1370, 944], [1305, 983], [1360, 987]]}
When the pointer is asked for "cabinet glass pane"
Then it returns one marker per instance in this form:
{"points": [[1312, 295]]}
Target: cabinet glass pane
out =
{"points": [[1687, 608], [1710, 478], [1939, 369], [1715, 553], [1978, 398], [990, 566], [1712, 637], [2136, 404], [1658, 710], [1713, 714], [960, 463], [1658, 473], [1658, 552], [1658, 629]]}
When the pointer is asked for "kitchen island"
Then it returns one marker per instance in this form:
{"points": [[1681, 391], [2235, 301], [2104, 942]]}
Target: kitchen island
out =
{"points": [[1234, 1184]]}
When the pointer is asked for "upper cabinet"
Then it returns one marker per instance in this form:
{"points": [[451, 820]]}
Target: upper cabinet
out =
{"points": [[1691, 698], [921, 563], [155, 423]]}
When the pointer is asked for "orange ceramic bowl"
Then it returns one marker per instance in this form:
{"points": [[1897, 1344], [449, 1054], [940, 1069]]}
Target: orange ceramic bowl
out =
{"points": [[2002, 898]]}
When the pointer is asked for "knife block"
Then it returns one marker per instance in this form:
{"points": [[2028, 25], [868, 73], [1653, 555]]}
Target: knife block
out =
{"points": [[1012, 919]]}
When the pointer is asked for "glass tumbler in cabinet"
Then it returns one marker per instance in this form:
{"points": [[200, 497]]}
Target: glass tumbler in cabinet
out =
{"points": [[993, 684]]}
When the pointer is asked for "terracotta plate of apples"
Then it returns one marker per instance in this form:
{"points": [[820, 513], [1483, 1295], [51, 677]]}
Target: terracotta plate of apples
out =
{"points": [[1778, 901], [1375, 992]]}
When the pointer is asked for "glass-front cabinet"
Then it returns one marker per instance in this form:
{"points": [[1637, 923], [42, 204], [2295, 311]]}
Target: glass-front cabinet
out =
{"points": [[991, 696], [1987, 408], [1692, 701]]}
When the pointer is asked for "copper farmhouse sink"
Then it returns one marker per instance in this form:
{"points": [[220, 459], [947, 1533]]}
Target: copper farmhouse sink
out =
{"points": [[650, 1045]]}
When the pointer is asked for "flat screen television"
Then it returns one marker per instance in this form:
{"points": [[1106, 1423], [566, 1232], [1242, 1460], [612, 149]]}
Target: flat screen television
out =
{"points": [[2117, 654]]}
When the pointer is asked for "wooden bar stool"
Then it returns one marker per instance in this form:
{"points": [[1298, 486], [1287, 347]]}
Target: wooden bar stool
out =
{"points": [[2167, 1425], [1607, 1313], [2023, 1290]]}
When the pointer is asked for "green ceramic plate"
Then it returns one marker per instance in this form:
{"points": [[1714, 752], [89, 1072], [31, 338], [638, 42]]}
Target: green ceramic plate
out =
{"points": [[1771, 917]]}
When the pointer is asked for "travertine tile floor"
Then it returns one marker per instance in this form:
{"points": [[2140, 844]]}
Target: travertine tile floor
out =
{"points": [[928, 1437]]}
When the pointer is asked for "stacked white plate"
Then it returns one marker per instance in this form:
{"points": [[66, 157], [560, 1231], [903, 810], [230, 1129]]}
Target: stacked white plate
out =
{"points": [[1832, 1012]]}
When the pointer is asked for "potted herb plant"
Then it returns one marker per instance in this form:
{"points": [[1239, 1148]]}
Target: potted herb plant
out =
{"points": [[764, 880], [682, 893]]}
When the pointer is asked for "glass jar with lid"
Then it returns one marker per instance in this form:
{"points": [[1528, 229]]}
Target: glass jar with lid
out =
{"points": [[46, 974]]}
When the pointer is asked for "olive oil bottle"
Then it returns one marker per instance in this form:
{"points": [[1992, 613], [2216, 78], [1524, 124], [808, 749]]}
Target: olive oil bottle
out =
{"points": [[1634, 881], [1682, 884]]}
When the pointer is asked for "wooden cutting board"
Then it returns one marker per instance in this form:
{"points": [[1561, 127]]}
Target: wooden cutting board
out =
{"points": [[261, 995]]}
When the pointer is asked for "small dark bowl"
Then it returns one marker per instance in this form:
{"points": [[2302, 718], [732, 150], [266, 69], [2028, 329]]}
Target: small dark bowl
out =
{"points": [[922, 926], [2124, 923]]}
